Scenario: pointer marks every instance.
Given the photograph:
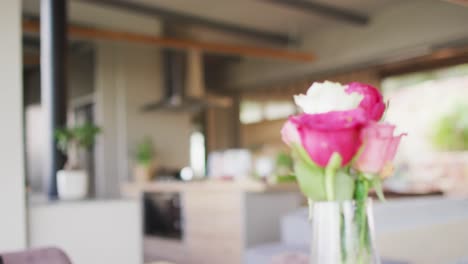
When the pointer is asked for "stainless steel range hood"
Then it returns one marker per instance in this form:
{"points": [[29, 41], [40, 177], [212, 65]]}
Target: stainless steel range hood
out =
{"points": [[184, 85]]}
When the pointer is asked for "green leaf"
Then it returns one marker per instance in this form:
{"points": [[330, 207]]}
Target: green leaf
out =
{"points": [[311, 180], [85, 134], [344, 186], [377, 184], [82, 135], [63, 137], [334, 163], [300, 153], [145, 153], [286, 178], [284, 160], [369, 176]]}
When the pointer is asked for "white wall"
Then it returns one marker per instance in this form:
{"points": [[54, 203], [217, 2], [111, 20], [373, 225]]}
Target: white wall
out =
{"points": [[80, 74], [128, 76], [107, 171], [399, 30], [12, 191], [170, 132]]}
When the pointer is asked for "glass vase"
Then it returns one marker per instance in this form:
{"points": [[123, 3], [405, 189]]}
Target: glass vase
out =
{"points": [[343, 233]]}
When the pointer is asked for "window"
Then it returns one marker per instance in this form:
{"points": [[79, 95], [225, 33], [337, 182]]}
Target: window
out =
{"points": [[197, 153], [432, 107], [258, 111], [251, 112], [278, 110]]}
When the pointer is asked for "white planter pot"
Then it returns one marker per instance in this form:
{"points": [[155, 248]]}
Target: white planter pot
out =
{"points": [[72, 184]]}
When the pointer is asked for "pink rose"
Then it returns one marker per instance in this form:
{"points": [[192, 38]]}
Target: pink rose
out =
{"points": [[289, 133], [323, 134], [379, 147], [372, 103]]}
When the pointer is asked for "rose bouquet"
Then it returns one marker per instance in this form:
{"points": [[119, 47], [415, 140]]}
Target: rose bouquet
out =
{"points": [[341, 147]]}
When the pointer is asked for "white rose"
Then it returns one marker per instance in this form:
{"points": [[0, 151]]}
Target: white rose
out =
{"points": [[326, 97]]}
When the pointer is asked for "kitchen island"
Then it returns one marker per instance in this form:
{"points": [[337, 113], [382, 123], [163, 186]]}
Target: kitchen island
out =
{"points": [[221, 219]]}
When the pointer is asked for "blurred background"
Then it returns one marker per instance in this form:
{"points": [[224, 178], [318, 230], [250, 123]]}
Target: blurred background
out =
{"points": [[174, 107]]}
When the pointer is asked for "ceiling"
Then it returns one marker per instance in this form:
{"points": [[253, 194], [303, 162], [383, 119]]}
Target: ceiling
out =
{"points": [[260, 16], [264, 15]]}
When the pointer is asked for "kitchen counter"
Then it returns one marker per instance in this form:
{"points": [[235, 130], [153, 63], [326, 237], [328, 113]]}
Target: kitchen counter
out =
{"points": [[250, 186], [221, 218]]}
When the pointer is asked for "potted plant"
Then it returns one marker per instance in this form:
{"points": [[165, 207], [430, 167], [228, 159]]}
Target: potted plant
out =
{"points": [[145, 166], [72, 181]]}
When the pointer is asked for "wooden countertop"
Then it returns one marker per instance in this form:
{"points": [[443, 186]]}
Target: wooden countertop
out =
{"points": [[252, 186]]}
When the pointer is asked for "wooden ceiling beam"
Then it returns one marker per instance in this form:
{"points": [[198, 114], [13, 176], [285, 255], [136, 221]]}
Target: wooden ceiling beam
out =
{"points": [[459, 2], [440, 58], [208, 47]]}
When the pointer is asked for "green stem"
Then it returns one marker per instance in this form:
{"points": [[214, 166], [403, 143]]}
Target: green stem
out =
{"points": [[361, 194], [330, 185], [344, 250]]}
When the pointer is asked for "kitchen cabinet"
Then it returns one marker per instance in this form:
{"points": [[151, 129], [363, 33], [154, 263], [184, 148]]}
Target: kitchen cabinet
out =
{"points": [[221, 219]]}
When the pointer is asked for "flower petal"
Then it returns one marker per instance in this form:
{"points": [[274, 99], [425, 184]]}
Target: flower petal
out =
{"points": [[372, 102]]}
